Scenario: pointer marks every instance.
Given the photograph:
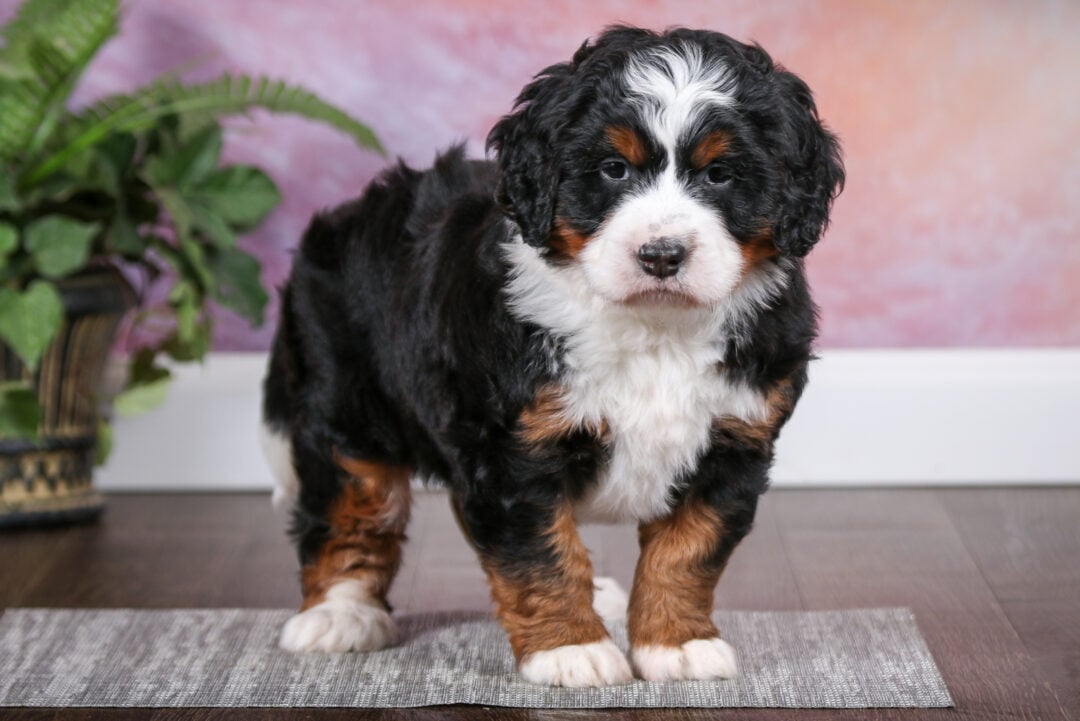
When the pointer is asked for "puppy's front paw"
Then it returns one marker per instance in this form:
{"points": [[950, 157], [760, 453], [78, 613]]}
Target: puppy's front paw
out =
{"points": [[337, 626], [589, 664], [700, 658]]}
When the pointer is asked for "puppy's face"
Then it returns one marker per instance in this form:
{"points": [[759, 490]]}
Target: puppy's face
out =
{"points": [[667, 166], [659, 188]]}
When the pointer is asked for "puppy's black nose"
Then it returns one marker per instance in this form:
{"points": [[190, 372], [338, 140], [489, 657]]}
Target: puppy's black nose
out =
{"points": [[662, 257]]}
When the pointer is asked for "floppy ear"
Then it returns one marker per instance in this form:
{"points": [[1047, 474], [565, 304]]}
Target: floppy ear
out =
{"points": [[811, 168], [526, 151]]}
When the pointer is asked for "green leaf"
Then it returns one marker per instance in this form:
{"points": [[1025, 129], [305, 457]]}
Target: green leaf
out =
{"points": [[30, 320], [146, 388], [213, 225], [119, 150], [185, 300], [48, 45], [228, 95], [20, 412], [187, 316], [144, 367], [162, 135], [112, 158], [240, 194], [177, 208], [142, 397], [195, 159], [21, 30], [8, 200], [57, 188], [123, 238], [178, 164], [194, 348], [237, 285], [104, 442], [59, 245], [164, 249], [195, 263], [9, 241]]}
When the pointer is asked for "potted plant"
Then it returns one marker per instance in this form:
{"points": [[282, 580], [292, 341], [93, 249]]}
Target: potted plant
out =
{"points": [[97, 206]]}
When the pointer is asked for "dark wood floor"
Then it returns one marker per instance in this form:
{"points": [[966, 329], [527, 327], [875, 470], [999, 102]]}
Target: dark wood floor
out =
{"points": [[993, 576]]}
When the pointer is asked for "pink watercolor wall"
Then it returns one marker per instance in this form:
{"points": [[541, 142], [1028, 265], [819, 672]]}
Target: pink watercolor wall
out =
{"points": [[960, 120]]}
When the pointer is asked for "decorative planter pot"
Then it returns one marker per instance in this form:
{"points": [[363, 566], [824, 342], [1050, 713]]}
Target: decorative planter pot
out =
{"points": [[51, 480]]}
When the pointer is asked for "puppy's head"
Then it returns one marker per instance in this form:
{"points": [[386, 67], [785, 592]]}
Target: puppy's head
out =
{"points": [[667, 165]]}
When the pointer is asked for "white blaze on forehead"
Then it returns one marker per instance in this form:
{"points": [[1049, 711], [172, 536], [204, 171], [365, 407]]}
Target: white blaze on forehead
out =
{"points": [[673, 85]]}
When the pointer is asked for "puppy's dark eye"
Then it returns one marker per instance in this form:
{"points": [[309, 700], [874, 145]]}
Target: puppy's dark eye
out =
{"points": [[615, 169], [717, 175]]}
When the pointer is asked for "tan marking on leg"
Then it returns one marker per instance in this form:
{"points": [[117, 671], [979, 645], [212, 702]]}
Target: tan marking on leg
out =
{"points": [[367, 527], [672, 597], [542, 609], [628, 144]]}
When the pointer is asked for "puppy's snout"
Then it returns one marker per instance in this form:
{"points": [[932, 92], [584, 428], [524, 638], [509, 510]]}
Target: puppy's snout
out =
{"points": [[662, 257]]}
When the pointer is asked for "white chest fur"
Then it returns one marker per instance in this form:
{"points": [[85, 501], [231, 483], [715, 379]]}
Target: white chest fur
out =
{"points": [[658, 395], [650, 375]]}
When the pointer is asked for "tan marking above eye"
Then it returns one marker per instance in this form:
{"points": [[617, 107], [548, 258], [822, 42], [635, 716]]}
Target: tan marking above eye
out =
{"points": [[711, 147], [628, 143]]}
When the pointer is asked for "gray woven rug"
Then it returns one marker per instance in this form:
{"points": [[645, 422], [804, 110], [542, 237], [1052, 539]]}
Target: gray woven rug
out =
{"points": [[170, 658]]}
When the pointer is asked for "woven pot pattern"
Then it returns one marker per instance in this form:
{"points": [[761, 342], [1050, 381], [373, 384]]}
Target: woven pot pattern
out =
{"points": [[51, 479]]}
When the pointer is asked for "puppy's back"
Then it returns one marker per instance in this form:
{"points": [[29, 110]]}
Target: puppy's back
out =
{"points": [[374, 276]]}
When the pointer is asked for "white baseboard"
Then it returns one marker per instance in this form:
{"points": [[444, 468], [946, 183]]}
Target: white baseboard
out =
{"points": [[868, 417]]}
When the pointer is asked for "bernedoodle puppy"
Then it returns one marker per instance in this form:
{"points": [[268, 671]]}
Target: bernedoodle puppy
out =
{"points": [[610, 322]]}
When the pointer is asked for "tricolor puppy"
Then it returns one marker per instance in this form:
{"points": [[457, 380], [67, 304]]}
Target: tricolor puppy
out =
{"points": [[609, 322]]}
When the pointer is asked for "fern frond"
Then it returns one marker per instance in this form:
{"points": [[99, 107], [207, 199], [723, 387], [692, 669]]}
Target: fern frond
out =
{"points": [[47, 46], [31, 19], [228, 95]]}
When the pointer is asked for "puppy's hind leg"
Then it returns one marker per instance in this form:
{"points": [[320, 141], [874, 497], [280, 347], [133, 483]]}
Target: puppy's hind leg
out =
{"points": [[350, 529]]}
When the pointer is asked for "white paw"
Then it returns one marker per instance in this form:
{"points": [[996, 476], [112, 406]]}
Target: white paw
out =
{"points": [[609, 599], [590, 664], [338, 625], [698, 659]]}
